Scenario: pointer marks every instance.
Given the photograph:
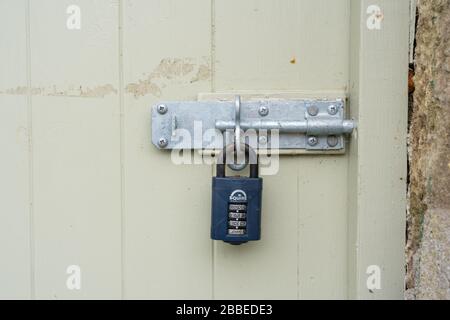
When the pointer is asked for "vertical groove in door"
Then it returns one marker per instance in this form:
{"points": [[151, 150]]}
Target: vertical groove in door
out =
{"points": [[213, 89], [213, 45], [122, 146], [213, 260], [298, 233], [30, 150]]}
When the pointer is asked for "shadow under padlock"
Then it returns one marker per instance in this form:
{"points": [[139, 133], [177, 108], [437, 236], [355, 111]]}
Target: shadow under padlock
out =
{"points": [[236, 202]]}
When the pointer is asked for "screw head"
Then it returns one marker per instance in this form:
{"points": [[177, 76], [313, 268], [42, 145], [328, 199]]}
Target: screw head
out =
{"points": [[313, 111], [313, 141], [162, 108], [333, 109], [263, 111], [262, 140], [163, 142], [332, 141]]}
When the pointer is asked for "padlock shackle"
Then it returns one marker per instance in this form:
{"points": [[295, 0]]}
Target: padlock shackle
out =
{"points": [[220, 170], [254, 171], [222, 160]]}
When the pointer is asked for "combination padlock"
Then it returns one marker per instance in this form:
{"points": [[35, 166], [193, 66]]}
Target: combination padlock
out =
{"points": [[236, 203]]}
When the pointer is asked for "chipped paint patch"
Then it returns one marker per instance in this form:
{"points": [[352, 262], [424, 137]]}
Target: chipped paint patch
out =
{"points": [[71, 91], [94, 92], [21, 91], [203, 74], [142, 88], [169, 71]]}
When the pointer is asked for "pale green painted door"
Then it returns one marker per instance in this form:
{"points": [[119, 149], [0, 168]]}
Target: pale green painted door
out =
{"points": [[81, 183]]}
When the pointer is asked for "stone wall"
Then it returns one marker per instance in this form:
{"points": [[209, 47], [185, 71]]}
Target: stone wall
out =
{"points": [[428, 246]]}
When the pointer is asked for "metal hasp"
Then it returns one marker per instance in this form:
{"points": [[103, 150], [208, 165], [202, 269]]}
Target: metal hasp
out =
{"points": [[310, 124]]}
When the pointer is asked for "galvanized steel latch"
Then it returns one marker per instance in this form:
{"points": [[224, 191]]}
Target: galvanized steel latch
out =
{"points": [[310, 124]]}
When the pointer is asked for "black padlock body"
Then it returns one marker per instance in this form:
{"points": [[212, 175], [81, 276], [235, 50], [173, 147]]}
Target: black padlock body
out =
{"points": [[236, 209]]}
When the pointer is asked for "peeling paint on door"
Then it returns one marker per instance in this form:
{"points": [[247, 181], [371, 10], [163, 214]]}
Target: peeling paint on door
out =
{"points": [[170, 70]]}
